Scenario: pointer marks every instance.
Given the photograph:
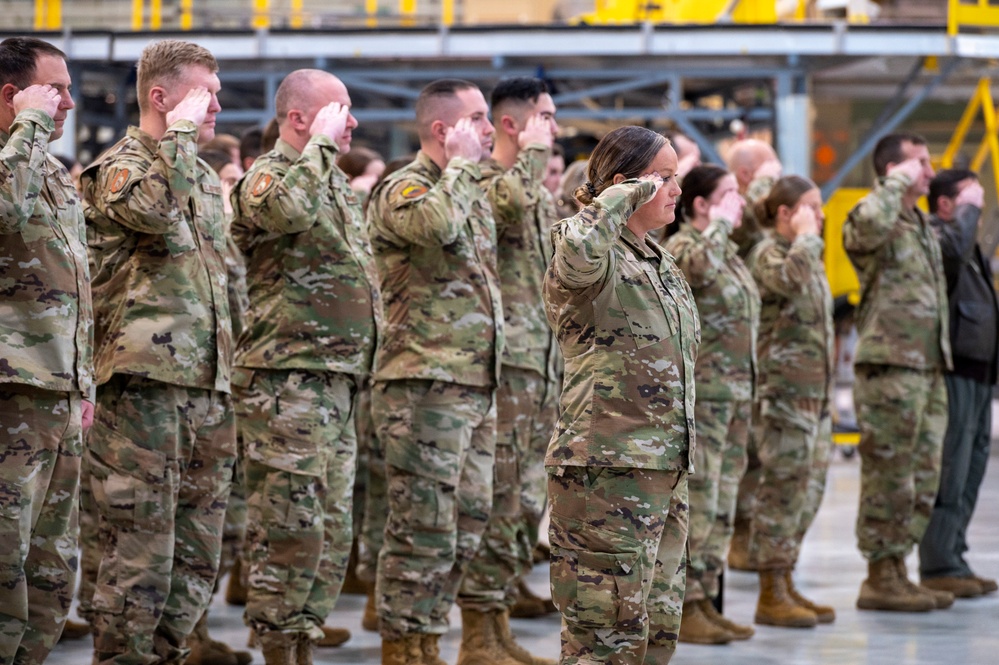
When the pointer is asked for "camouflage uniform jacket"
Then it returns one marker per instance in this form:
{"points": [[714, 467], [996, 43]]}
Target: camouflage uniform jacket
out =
{"points": [[46, 314], [902, 318], [728, 304], [156, 228], [796, 329], [434, 240], [524, 212], [310, 276], [627, 325]]}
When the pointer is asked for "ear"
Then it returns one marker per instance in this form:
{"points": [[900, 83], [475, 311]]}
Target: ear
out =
{"points": [[297, 120], [618, 179], [701, 206], [157, 99], [7, 93], [783, 213], [439, 130], [945, 206], [509, 125]]}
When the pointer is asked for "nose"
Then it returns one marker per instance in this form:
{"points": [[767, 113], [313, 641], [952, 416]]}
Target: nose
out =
{"points": [[351, 121], [489, 129], [214, 106], [66, 101]]}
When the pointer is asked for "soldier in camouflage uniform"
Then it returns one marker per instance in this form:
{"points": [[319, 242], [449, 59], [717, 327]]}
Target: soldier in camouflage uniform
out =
{"points": [[309, 336], [902, 352], [796, 365], [729, 308], [434, 239], [162, 449], [525, 400], [46, 361], [756, 168], [618, 460]]}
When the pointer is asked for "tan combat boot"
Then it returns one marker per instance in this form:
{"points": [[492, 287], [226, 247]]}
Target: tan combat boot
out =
{"points": [[235, 590], [697, 628], [823, 613], [369, 620], [961, 587], [333, 637], [941, 599], [883, 590], [738, 549], [529, 605], [509, 644], [739, 631], [206, 651], [75, 630], [430, 647], [304, 649], [480, 643], [775, 606], [404, 651], [279, 648]]}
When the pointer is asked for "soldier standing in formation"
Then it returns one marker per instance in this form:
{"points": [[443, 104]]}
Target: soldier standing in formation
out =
{"points": [[46, 347], [309, 337], [162, 449], [437, 368], [618, 460], [793, 426], [526, 397], [728, 305], [956, 200], [902, 352]]}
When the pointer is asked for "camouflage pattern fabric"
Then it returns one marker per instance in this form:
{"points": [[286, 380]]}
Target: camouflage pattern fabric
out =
{"points": [[434, 240], [903, 417], [46, 330], [902, 318], [161, 462], [618, 564], [39, 478], [728, 305], [796, 372], [627, 326], [312, 286], [91, 547], [300, 454], [720, 459], [526, 414], [816, 476], [439, 440], [157, 234], [374, 503]]}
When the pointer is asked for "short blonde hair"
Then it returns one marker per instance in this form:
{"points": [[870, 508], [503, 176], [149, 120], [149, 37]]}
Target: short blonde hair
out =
{"points": [[163, 62]]}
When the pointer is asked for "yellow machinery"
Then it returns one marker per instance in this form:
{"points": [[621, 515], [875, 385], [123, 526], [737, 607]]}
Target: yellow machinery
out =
{"points": [[681, 11]]}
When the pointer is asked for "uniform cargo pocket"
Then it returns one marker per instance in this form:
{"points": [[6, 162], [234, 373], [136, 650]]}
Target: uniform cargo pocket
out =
{"points": [[608, 588]]}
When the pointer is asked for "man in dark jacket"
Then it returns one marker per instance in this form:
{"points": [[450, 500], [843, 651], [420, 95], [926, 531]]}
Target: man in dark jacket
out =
{"points": [[955, 200]]}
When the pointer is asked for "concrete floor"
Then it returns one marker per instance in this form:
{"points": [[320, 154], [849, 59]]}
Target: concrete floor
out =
{"points": [[830, 572]]}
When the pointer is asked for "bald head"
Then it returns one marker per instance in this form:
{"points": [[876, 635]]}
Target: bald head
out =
{"points": [[745, 156], [307, 90]]}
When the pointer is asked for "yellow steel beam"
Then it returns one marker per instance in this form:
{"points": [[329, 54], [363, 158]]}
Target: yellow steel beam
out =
{"points": [[964, 124], [297, 19], [138, 7], [371, 9], [186, 17], [155, 14], [447, 12], [407, 10], [980, 13], [261, 14]]}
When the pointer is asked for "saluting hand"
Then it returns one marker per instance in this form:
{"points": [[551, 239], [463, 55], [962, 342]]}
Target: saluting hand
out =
{"points": [[729, 209], [462, 141], [40, 97], [912, 168], [973, 194], [193, 107], [803, 221], [537, 130], [331, 121], [771, 168]]}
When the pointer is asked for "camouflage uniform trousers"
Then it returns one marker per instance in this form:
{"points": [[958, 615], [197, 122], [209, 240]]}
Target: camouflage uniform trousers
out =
{"points": [[160, 458], [91, 547], [526, 412], [370, 502], [618, 568], [902, 415], [794, 466], [439, 441], [39, 478], [720, 462], [746, 496], [300, 454]]}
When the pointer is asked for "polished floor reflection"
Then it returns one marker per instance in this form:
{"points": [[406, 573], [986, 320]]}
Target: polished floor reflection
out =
{"points": [[830, 571]]}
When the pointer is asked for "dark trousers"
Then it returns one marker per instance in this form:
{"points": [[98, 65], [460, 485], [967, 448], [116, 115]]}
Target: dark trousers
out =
{"points": [[965, 455]]}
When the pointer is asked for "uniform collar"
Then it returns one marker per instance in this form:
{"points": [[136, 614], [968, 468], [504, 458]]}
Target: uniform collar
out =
{"points": [[644, 248], [287, 150], [142, 137]]}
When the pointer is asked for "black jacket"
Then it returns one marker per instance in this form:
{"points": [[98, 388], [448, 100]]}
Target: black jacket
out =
{"points": [[974, 309]]}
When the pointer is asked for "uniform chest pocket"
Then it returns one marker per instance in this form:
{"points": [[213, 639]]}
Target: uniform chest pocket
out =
{"points": [[211, 211], [649, 319], [180, 239]]}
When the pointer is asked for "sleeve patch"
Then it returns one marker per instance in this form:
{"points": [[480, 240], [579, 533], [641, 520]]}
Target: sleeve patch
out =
{"points": [[261, 184], [414, 192], [119, 181]]}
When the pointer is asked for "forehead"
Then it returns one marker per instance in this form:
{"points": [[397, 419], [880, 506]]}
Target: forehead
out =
{"points": [[912, 150], [471, 101], [199, 75], [664, 161], [544, 104], [50, 69]]}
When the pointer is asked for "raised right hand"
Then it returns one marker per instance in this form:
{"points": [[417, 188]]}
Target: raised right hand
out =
{"points": [[729, 209], [331, 121], [462, 141], [41, 97], [536, 130], [803, 221], [193, 107], [912, 168], [972, 194], [771, 168]]}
